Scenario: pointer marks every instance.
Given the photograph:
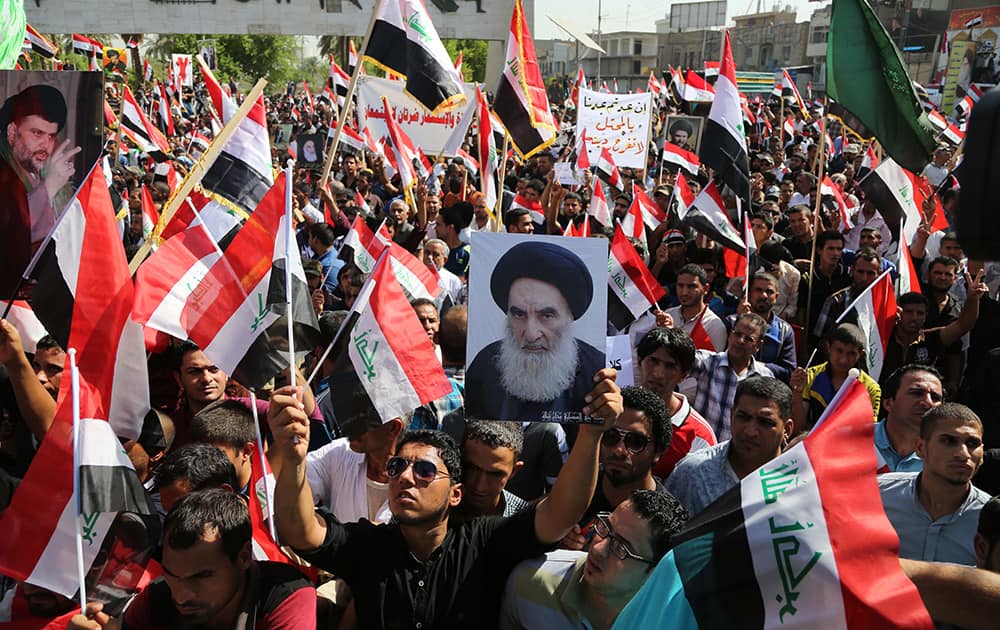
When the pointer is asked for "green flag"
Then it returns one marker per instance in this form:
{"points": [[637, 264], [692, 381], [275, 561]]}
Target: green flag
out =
{"points": [[866, 75]]}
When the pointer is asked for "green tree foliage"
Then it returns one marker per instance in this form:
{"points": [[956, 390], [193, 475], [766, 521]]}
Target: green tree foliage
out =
{"points": [[244, 58], [473, 57]]}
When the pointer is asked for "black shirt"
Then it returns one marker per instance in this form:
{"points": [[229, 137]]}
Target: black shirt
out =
{"points": [[460, 586]]}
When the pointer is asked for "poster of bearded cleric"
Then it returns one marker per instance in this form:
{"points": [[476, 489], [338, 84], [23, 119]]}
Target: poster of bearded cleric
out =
{"points": [[53, 132], [540, 307]]}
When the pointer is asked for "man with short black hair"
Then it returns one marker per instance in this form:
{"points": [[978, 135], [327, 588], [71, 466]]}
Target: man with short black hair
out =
{"points": [[799, 237], [907, 395], [567, 590], [666, 355], [936, 511], [190, 468], [778, 350], [228, 426], [419, 571], [211, 579], [321, 239], [491, 454], [761, 421], [518, 221], [867, 267], [450, 224], [692, 312]]}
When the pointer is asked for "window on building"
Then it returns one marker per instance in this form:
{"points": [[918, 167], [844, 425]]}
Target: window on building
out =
{"points": [[636, 46], [677, 60], [818, 35], [786, 53], [636, 67], [613, 48]]}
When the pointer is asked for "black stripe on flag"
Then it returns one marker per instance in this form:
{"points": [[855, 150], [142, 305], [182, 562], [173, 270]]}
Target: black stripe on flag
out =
{"points": [[426, 80], [515, 117], [388, 47], [234, 180], [721, 151], [51, 298], [113, 489], [713, 558], [268, 354]]}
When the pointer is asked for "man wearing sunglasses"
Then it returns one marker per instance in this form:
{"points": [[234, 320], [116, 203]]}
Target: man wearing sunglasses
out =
{"points": [[628, 452], [572, 589], [421, 571]]}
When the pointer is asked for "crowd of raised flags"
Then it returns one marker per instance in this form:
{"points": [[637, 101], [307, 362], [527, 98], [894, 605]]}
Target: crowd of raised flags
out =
{"points": [[217, 260]]}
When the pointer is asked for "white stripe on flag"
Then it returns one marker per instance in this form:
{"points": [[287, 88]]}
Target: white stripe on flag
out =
{"points": [[230, 344], [55, 569], [793, 560], [130, 385], [624, 289], [380, 372]]}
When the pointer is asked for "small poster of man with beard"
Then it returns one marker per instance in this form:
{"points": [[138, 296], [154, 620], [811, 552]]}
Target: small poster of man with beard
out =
{"points": [[538, 305]]}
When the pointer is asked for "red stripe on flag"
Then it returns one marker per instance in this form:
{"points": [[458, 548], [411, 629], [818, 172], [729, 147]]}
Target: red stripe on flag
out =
{"points": [[865, 545]]}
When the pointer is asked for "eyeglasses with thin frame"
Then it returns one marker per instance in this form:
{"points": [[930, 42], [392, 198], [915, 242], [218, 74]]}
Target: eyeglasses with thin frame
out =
{"points": [[619, 546], [634, 442], [423, 470], [738, 336]]}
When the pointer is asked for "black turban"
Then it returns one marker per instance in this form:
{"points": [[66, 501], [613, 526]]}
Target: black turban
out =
{"points": [[546, 262], [37, 100]]}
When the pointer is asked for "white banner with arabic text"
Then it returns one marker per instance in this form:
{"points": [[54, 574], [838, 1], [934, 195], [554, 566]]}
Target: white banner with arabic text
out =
{"points": [[620, 122]]}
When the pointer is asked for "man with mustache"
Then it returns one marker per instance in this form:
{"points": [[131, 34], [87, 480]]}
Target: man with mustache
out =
{"points": [[34, 174], [539, 367]]}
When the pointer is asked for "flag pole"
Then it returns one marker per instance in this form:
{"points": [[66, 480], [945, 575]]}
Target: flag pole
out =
{"points": [[263, 468], [197, 172], [77, 499], [503, 175], [819, 203], [290, 242], [349, 99]]}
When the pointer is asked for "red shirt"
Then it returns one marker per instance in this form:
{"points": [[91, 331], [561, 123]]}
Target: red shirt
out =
{"points": [[691, 433]]}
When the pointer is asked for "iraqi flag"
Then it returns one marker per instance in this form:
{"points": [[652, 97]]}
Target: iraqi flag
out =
{"points": [[83, 45], [832, 196], [521, 101], [241, 175], [403, 41], [23, 319], [83, 297], [138, 128], [709, 216], [150, 217], [780, 550], [417, 279], [697, 89], [652, 215], [724, 145], [534, 208], [582, 161], [486, 147], [36, 43], [953, 134], [580, 80], [232, 305], [908, 279], [338, 82], [898, 193], [791, 92], [405, 155], [362, 247], [683, 196], [598, 206], [874, 311], [654, 86], [164, 110], [630, 282], [711, 69], [391, 354], [687, 160], [633, 224], [581, 231], [349, 139], [738, 263], [608, 170], [79, 255]]}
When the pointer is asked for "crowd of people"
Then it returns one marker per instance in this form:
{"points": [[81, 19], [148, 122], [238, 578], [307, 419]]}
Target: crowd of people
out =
{"points": [[435, 520]]}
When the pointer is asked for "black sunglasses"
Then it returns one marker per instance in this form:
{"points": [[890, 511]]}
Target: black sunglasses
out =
{"points": [[423, 470], [634, 442]]}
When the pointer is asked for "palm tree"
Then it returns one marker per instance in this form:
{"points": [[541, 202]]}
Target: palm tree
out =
{"points": [[136, 56]]}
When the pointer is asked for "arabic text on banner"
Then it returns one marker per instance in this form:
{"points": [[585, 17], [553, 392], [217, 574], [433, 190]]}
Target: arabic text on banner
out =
{"points": [[620, 122], [428, 132]]}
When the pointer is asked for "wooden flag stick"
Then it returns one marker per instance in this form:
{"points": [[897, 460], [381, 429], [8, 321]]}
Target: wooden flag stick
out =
{"points": [[197, 172], [503, 174], [348, 100]]}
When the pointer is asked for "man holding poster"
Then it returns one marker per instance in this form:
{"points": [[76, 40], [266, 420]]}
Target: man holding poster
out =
{"points": [[539, 369]]}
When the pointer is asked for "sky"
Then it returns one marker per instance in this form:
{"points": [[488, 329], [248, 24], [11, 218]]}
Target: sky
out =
{"points": [[636, 15]]}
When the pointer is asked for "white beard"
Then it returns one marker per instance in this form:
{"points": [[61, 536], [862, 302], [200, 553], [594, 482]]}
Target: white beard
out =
{"points": [[537, 377]]}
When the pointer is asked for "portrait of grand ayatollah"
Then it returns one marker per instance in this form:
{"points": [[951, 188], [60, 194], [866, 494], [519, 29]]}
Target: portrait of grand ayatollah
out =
{"points": [[543, 359]]}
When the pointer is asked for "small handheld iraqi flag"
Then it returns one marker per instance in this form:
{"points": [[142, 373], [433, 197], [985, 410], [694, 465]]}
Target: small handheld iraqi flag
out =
{"points": [[392, 355], [630, 282], [780, 551]]}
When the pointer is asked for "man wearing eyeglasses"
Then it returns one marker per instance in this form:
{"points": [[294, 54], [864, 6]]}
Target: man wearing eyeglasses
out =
{"points": [[572, 589], [628, 452], [423, 571], [761, 421]]}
